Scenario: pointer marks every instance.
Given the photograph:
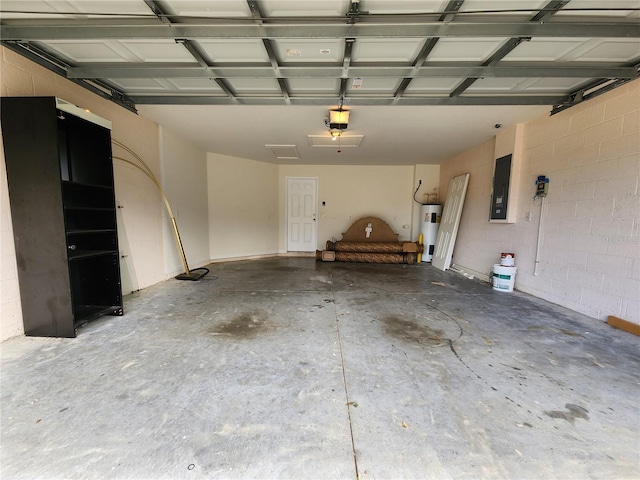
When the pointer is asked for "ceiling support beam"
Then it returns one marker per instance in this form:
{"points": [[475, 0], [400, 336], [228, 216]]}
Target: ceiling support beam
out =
{"points": [[224, 86], [346, 64], [550, 9], [160, 10], [425, 51], [402, 87], [284, 89], [413, 100], [164, 13], [452, 7], [63, 29], [343, 88], [462, 87], [196, 52], [502, 52], [164, 26], [254, 8], [450, 10], [353, 15], [257, 15], [593, 90], [346, 59], [206, 65], [275, 65], [321, 70]]}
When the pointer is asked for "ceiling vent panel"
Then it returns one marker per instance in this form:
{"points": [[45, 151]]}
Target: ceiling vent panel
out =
{"points": [[284, 152]]}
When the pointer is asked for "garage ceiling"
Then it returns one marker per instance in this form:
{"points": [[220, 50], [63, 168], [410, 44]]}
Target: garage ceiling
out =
{"points": [[423, 79]]}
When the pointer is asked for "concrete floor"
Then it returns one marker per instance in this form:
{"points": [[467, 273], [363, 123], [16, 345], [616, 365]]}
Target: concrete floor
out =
{"points": [[288, 368]]}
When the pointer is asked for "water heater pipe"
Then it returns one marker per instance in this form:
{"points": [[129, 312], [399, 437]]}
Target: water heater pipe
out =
{"points": [[535, 268]]}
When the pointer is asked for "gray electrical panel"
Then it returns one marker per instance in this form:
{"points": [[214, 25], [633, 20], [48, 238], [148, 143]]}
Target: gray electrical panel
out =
{"points": [[500, 196]]}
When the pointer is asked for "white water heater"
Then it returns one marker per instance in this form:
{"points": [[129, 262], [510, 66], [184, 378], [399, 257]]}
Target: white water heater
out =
{"points": [[429, 224]]}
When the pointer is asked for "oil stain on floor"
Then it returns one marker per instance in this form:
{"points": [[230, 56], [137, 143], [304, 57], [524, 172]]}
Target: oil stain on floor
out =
{"points": [[573, 412], [247, 325], [410, 331]]}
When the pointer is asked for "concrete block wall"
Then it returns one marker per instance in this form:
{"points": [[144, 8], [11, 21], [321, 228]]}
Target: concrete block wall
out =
{"points": [[590, 253]]}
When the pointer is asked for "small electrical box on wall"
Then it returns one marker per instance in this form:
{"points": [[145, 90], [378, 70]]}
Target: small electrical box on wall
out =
{"points": [[542, 186], [500, 195]]}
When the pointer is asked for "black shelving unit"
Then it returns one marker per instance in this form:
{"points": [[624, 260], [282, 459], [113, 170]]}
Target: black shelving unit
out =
{"points": [[60, 174]]}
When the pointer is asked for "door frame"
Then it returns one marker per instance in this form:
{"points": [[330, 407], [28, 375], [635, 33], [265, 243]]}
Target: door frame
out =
{"points": [[286, 210]]}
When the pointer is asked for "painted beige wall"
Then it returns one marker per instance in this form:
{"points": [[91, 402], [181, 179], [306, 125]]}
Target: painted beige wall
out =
{"points": [[590, 254], [185, 184], [352, 192], [243, 207], [140, 221]]}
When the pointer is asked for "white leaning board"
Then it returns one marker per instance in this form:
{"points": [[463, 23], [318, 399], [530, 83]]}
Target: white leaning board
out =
{"points": [[450, 222]]}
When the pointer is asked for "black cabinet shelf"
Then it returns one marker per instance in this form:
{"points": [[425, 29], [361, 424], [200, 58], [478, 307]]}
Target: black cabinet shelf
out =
{"points": [[89, 209], [82, 254], [81, 195], [60, 175], [84, 231], [87, 185]]}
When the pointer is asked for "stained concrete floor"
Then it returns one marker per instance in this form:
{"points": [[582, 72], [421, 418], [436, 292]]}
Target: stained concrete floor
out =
{"points": [[288, 368]]}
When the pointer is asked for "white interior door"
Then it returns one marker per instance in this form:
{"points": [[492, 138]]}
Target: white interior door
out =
{"points": [[450, 221], [302, 203]]}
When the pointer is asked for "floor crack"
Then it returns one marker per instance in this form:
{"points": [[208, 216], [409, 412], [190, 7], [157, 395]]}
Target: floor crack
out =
{"points": [[348, 402]]}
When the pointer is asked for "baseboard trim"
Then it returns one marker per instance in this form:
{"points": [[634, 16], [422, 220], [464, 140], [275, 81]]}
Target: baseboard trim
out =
{"points": [[263, 256], [468, 272], [625, 325]]}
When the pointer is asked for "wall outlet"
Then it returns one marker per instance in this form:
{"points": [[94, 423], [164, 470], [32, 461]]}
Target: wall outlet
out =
{"points": [[527, 216]]}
